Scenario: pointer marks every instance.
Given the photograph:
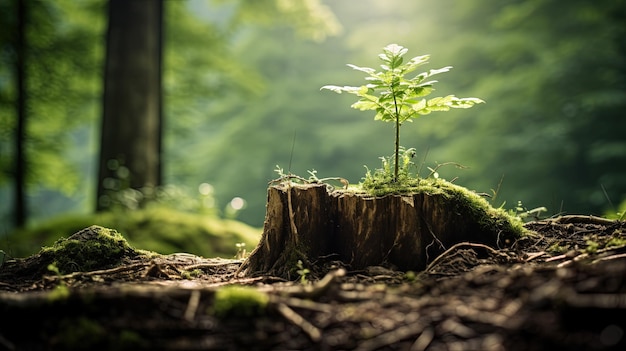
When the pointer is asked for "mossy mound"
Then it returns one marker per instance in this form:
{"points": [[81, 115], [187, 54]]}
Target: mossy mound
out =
{"points": [[157, 229], [92, 248], [89, 249]]}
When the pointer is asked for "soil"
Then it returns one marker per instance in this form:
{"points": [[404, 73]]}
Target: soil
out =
{"points": [[562, 288]]}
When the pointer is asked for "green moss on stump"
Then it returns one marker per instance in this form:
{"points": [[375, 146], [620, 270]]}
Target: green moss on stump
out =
{"points": [[466, 200]]}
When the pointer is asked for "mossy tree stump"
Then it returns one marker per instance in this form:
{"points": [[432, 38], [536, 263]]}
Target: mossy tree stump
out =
{"points": [[309, 221]]}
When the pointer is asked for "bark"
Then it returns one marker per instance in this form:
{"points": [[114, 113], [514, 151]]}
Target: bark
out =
{"points": [[20, 214], [131, 123], [405, 232]]}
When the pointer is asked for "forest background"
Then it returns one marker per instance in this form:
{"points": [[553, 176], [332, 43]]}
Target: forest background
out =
{"points": [[241, 95]]}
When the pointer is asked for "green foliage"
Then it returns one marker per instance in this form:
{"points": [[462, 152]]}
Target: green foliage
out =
{"points": [[616, 242], [410, 276], [592, 246], [560, 105], [58, 293], [382, 179], [239, 301], [120, 197], [522, 212], [234, 96], [158, 229], [62, 81], [400, 99], [310, 19], [191, 274], [241, 251], [52, 267], [65, 55], [557, 248], [619, 214], [302, 272]]}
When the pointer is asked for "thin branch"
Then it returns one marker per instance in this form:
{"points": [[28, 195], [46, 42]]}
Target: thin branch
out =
{"points": [[312, 331]]}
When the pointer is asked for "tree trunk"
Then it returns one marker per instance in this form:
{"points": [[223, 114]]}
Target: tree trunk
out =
{"points": [[130, 154], [20, 211], [405, 232]]}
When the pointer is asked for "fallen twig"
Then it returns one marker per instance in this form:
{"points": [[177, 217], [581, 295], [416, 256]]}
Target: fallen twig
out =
{"points": [[582, 219], [312, 331], [208, 265], [317, 289], [393, 336]]}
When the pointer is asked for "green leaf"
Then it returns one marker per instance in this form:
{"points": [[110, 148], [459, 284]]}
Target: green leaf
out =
{"points": [[336, 89], [381, 116], [375, 82], [438, 108], [419, 106], [439, 101], [424, 107], [364, 105], [339, 90], [419, 60], [421, 90], [393, 54], [415, 62], [384, 57], [432, 72], [466, 102], [362, 69], [395, 50]]}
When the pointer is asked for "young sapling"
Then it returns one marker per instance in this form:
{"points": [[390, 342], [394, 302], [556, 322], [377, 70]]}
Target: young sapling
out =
{"points": [[396, 98]]}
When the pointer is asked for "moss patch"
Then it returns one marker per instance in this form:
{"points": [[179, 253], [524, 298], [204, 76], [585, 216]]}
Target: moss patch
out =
{"points": [[239, 301], [90, 249]]}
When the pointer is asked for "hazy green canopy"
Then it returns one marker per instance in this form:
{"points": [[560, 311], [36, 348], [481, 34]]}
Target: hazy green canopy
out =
{"points": [[552, 71]]}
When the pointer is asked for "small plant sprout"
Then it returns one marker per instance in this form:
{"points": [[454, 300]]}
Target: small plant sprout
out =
{"points": [[303, 272], [241, 251], [396, 98], [523, 213]]}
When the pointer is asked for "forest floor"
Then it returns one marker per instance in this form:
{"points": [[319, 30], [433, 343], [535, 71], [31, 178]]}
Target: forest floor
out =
{"points": [[562, 288]]}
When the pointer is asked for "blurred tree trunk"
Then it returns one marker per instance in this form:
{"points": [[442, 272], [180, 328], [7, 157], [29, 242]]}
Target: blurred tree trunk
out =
{"points": [[20, 214], [130, 149]]}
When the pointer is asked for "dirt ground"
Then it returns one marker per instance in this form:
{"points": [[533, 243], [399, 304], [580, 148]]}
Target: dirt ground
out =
{"points": [[563, 288]]}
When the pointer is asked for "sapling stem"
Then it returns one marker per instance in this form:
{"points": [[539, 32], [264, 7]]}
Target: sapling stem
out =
{"points": [[397, 145]]}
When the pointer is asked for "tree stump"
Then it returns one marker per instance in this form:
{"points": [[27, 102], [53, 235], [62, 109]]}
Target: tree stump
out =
{"points": [[309, 221]]}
